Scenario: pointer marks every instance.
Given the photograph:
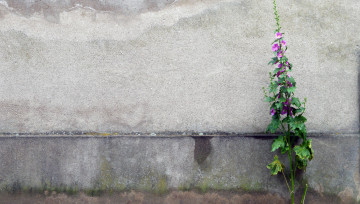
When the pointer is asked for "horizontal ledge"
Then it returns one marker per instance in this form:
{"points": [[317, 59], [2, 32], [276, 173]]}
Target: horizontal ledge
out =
{"points": [[160, 135]]}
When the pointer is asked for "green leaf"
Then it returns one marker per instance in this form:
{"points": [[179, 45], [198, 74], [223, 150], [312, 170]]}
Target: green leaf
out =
{"points": [[291, 89], [295, 101], [285, 149], [278, 143], [273, 126], [300, 163], [283, 89], [298, 123], [288, 120], [291, 80], [273, 60], [300, 110], [276, 166], [300, 119], [290, 65], [281, 79], [273, 87], [276, 70], [308, 143], [279, 106], [282, 99], [269, 99], [302, 152], [284, 60]]}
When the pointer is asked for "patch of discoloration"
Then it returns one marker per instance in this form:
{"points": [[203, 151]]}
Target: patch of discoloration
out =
{"points": [[346, 196], [20, 114], [202, 148], [52, 9], [337, 52]]}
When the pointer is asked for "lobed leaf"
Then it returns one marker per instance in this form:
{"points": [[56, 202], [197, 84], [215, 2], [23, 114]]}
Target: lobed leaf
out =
{"points": [[291, 80], [300, 163], [276, 166], [291, 89], [278, 143], [302, 152], [269, 99], [273, 126], [296, 101]]}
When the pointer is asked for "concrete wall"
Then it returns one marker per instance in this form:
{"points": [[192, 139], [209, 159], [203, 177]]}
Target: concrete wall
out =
{"points": [[160, 164], [171, 68], [153, 66]]}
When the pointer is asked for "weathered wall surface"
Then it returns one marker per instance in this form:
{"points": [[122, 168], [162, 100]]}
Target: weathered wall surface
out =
{"points": [[171, 67], [159, 164], [153, 66]]}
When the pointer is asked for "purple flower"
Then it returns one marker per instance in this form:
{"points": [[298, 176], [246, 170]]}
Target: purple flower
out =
{"points": [[288, 75], [283, 43], [278, 35], [280, 54], [286, 108], [280, 72], [287, 102], [280, 65], [287, 63], [289, 84], [275, 47], [273, 111]]}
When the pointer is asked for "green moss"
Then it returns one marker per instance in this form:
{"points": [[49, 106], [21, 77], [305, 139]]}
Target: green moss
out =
{"points": [[106, 178], [154, 183], [184, 187], [145, 184], [249, 185], [204, 186], [120, 187], [161, 186]]}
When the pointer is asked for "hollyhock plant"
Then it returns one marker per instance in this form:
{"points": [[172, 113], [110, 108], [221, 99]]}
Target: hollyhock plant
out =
{"points": [[287, 113]]}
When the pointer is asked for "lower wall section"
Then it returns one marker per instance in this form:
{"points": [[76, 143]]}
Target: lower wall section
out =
{"points": [[159, 164]]}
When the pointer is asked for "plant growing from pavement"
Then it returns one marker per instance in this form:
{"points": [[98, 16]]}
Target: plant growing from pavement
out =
{"points": [[287, 113]]}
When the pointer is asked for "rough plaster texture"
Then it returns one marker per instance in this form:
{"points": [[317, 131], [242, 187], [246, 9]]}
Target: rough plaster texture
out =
{"points": [[153, 66], [157, 163]]}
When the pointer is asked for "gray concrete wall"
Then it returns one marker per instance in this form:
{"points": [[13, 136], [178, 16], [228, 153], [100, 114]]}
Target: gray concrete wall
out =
{"points": [[171, 67], [160, 164], [154, 66]]}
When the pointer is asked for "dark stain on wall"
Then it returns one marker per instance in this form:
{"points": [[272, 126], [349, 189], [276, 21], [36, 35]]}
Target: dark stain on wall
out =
{"points": [[202, 149]]}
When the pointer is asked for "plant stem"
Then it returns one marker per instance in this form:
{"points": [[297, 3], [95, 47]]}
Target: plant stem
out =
{"points": [[286, 181], [292, 175], [303, 197]]}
